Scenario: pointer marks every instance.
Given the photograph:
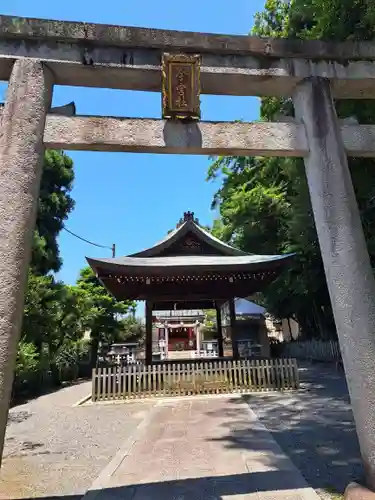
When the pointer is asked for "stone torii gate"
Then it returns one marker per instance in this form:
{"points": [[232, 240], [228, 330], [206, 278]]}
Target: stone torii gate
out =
{"points": [[36, 54]]}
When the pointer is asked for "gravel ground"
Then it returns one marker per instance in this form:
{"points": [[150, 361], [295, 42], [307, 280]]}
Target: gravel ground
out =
{"points": [[314, 427], [49, 438]]}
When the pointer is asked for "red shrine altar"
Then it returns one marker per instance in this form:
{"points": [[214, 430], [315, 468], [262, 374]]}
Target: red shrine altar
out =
{"points": [[178, 330]]}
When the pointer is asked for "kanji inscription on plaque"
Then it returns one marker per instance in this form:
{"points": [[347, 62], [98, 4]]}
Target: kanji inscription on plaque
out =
{"points": [[181, 86]]}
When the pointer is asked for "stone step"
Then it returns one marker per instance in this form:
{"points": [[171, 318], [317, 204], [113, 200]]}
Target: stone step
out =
{"points": [[180, 354]]}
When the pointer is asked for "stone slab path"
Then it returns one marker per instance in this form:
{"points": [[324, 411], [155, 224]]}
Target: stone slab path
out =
{"points": [[314, 427], [183, 449], [57, 450]]}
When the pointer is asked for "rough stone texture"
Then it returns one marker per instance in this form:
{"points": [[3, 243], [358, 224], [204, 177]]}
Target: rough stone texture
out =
{"points": [[21, 153], [140, 69], [359, 140], [139, 135], [160, 136], [11, 27], [346, 261], [355, 491], [53, 448]]}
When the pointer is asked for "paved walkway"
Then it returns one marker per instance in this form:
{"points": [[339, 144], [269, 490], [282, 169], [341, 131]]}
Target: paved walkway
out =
{"points": [[55, 450], [181, 451], [314, 427]]}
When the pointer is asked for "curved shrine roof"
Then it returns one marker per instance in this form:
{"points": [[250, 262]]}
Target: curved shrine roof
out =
{"points": [[189, 226], [188, 265], [188, 248], [190, 262]]}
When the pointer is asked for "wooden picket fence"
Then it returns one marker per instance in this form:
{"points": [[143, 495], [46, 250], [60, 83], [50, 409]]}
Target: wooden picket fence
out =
{"points": [[184, 379], [313, 350]]}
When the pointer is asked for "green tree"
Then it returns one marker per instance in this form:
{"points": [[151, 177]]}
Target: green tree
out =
{"points": [[55, 315], [27, 367], [209, 329], [46, 300], [132, 329], [52, 313], [55, 205], [105, 312], [264, 203]]}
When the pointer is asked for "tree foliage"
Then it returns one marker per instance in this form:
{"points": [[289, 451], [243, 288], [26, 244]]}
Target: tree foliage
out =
{"points": [[209, 327], [57, 316], [132, 330], [54, 314], [54, 207], [264, 203], [52, 311], [106, 314]]}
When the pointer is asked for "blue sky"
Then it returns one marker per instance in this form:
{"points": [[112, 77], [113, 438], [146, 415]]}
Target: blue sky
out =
{"points": [[134, 199]]}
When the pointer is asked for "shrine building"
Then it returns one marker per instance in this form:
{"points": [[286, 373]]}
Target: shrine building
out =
{"points": [[177, 334], [189, 270]]}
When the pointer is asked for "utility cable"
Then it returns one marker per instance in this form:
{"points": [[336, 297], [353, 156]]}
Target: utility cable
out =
{"points": [[113, 247]]}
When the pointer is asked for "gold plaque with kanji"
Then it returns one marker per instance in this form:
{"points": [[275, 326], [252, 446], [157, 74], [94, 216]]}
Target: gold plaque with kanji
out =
{"points": [[181, 86]]}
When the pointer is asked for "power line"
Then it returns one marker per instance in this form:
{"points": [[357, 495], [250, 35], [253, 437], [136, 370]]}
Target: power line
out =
{"points": [[86, 241], [113, 247]]}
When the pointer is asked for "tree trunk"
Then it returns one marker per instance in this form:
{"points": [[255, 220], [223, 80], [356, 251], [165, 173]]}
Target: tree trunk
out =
{"points": [[94, 347]]}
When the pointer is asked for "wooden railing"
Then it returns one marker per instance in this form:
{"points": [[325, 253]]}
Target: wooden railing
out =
{"points": [[183, 379]]}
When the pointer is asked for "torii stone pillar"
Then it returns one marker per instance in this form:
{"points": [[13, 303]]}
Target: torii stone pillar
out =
{"points": [[21, 161], [346, 261]]}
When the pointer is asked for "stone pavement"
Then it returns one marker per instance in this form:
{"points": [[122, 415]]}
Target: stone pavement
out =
{"points": [[182, 450], [314, 427], [56, 450]]}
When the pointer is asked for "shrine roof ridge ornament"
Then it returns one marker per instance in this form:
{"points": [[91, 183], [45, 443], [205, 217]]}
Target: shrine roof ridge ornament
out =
{"points": [[133, 37], [186, 217]]}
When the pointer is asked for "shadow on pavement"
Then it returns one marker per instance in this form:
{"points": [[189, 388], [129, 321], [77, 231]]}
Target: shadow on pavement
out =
{"points": [[207, 488], [313, 426]]}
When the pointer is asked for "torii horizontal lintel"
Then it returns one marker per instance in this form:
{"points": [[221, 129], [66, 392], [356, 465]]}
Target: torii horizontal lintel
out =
{"points": [[142, 135], [130, 37], [128, 58]]}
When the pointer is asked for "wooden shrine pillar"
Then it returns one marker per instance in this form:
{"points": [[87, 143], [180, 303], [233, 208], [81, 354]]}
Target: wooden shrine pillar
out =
{"points": [[148, 356], [198, 339], [233, 329], [219, 330], [166, 339]]}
